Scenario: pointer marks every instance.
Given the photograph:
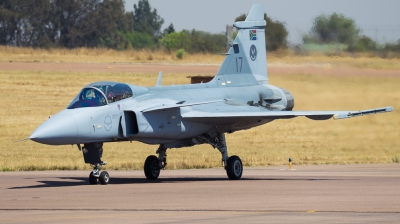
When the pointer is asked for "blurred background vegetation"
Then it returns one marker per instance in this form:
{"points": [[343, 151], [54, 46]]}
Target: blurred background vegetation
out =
{"points": [[105, 24]]}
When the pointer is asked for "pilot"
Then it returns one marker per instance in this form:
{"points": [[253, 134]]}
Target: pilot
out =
{"points": [[94, 96], [90, 95]]}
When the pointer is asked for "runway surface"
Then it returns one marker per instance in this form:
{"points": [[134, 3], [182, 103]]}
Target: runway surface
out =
{"points": [[329, 193]]}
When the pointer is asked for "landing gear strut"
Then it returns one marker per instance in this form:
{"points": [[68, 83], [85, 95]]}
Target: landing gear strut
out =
{"points": [[153, 165], [92, 154], [96, 176], [233, 165]]}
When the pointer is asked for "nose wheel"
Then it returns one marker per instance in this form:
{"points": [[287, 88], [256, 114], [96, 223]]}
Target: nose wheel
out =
{"points": [[92, 153], [96, 176], [104, 178], [93, 179]]}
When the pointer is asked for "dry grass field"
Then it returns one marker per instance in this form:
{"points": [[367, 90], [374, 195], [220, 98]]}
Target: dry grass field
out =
{"points": [[85, 55], [317, 83]]}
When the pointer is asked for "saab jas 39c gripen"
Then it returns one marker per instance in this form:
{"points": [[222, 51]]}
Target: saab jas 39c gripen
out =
{"points": [[239, 97]]}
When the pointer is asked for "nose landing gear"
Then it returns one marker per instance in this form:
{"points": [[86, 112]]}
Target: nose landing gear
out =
{"points": [[96, 176], [92, 153]]}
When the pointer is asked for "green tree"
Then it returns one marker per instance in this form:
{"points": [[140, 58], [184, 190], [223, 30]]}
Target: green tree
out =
{"points": [[275, 33], [394, 47], [335, 28], [37, 26], [104, 26], [139, 40], [24, 23], [70, 18], [194, 41], [67, 23], [363, 44], [146, 20], [206, 42], [176, 40], [10, 15], [169, 29]]}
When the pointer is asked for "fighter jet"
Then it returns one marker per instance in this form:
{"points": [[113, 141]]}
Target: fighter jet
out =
{"points": [[239, 97]]}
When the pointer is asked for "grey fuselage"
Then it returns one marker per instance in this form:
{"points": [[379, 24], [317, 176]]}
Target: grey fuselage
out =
{"points": [[125, 120]]}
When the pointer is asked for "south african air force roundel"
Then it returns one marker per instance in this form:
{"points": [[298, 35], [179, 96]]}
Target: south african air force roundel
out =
{"points": [[253, 52]]}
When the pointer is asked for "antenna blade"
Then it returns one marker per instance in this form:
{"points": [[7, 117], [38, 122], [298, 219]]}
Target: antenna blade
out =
{"points": [[159, 80]]}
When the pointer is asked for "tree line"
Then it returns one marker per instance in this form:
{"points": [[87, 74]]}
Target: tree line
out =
{"points": [[103, 24], [64, 23], [106, 24], [338, 29], [94, 23]]}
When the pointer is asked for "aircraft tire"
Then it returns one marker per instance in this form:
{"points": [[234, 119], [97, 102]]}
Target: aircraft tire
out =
{"points": [[152, 167], [234, 168], [104, 178], [92, 179]]}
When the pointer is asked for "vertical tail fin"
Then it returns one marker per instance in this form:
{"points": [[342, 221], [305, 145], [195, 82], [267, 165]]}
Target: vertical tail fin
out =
{"points": [[246, 60]]}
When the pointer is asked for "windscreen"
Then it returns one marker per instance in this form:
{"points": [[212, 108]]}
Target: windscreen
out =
{"points": [[114, 91], [101, 93], [88, 97]]}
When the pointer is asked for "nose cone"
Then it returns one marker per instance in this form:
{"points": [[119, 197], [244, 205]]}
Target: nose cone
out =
{"points": [[57, 130]]}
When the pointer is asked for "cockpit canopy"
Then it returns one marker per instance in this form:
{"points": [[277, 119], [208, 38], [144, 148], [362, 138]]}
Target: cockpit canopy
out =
{"points": [[101, 93]]}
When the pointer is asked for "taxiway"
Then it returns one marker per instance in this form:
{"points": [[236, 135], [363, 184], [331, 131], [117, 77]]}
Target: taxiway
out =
{"points": [[329, 193]]}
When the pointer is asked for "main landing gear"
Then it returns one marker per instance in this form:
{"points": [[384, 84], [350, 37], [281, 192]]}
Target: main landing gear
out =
{"points": [[153, 165], [92, 153], [233, 165], [234, 168]]}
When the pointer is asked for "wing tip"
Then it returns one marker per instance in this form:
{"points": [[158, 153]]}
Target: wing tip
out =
{"points": [[363, 112]]}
